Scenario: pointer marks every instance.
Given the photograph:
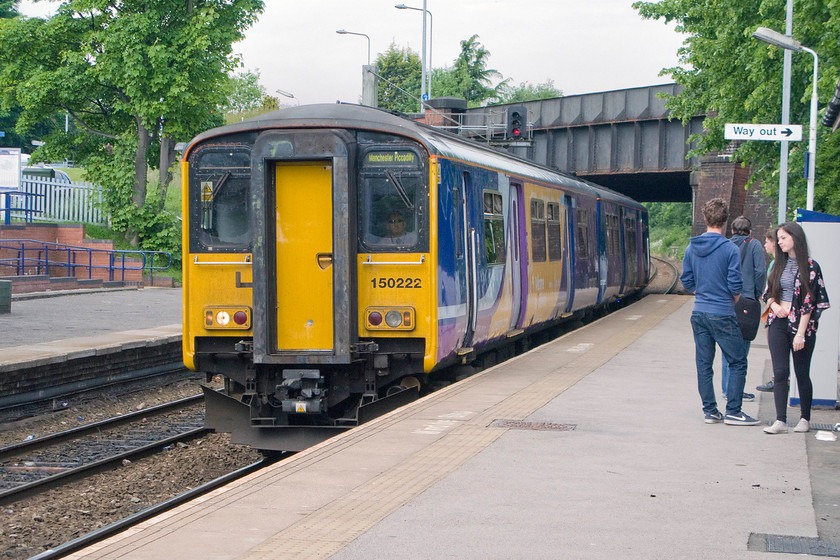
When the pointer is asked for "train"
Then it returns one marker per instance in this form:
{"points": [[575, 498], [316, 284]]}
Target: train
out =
{"points": [[339, 259]]}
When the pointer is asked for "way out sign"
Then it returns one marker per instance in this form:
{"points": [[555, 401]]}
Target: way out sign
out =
{"points": [[772, 132]]}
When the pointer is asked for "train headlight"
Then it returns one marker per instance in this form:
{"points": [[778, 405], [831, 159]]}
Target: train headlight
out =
{"points": [[227, 318], [395, 318]]}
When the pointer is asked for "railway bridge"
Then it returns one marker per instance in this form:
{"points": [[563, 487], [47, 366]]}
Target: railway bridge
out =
{"points": [[623, 139]]}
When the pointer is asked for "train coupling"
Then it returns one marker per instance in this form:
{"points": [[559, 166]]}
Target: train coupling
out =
{"points": [[246, 346], [302, 392]]}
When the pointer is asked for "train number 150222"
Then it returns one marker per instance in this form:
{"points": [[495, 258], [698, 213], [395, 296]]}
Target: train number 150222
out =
{"points": [[395, 282]]}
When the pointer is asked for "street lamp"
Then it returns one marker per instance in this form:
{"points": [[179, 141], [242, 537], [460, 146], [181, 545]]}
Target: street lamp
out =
{"points": [[431, 27], [789, 43], [345, 32], [289, 95]]}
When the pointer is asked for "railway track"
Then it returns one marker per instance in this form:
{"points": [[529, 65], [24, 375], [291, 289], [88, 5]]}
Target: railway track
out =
{"points": [[30, 467], [673, 275]]}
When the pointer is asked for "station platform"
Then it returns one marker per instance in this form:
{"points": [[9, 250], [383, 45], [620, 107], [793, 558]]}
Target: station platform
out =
{"points": [[54, 343], [590, 447]]}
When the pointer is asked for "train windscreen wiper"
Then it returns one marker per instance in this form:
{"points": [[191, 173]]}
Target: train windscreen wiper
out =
{"points": [[400, 190]]}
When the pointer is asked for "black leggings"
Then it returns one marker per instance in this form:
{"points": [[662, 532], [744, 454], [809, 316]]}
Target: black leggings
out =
{"points": [[780, 341]]}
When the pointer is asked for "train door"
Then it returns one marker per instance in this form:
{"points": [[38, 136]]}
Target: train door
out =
{"points": [[631, 245], [303, 256], [568, 251], [518, 246], [304, 261], [623, 247], [471, 251]]}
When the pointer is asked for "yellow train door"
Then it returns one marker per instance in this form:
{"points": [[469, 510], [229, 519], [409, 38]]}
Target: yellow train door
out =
{"points": [[303, 253]]}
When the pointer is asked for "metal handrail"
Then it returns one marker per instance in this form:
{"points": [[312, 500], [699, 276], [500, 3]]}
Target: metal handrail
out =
{"points": [[43, 255]]}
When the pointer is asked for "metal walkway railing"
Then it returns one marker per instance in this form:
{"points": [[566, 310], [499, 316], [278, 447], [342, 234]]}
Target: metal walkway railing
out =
{"points": [[22, 257]]}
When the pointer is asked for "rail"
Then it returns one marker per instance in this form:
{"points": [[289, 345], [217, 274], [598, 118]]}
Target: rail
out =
{"points": [[29, 256]]}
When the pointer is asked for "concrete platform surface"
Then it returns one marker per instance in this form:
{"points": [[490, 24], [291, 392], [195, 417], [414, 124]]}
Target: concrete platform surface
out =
{"points": [[91, 314], [590, 447]]}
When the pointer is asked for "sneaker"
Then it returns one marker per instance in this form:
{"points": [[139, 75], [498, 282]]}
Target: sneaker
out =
{"points": [[767, 387], [803, 426], [740, 419], [748, 397], [714, 417], [778, 427]]}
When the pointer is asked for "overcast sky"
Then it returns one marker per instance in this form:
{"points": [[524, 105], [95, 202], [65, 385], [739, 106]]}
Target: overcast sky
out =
{"points": [[584, 46]]}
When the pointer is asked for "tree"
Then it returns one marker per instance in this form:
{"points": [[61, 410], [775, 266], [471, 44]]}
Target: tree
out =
{"points": [[244, 92], [527, 91], [8, 8], [469, 77], [732, 77], [401, 72], [132, 75]]}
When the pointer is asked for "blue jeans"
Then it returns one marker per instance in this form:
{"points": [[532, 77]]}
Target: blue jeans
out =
{"points": [[724, 367], [722, 330]]}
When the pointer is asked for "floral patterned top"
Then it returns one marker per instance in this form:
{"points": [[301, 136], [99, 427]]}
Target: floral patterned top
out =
{"points": [[814, 303]]}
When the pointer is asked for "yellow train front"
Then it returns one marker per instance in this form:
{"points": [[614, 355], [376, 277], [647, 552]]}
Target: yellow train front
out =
{"points": [[335, 256]]}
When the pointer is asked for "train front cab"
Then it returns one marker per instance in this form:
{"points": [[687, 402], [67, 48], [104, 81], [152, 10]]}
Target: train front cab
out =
{"points": [[337, 309]]}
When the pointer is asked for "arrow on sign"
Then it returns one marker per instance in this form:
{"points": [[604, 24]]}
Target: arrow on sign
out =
{"points": [[787, 132]]}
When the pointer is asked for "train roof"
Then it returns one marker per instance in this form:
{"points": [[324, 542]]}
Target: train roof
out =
{"points": [[437, 141]]}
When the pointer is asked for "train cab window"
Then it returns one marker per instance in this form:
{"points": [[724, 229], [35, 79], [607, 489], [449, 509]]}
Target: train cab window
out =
{"points": [[555, 246], [538, 241], [582, 237], [392, 201], [494, 228], [220, 193]]}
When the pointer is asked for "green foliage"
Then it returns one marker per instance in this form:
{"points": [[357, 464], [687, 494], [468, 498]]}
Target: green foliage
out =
{"points": [[734, 78], [469, 78], [670, 227], [401, 73], [133, 75], [527, 91], [8, 8], [243, 92]]}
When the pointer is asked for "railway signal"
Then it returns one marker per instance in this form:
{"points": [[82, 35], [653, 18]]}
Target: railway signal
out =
{"points": [[516, 122]]}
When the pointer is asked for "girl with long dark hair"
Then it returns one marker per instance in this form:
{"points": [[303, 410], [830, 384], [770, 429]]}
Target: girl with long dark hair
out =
{"points": [[796, 296]]}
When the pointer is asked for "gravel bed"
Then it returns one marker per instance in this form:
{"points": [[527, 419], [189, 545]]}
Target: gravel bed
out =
{"points": [[31, 526]]}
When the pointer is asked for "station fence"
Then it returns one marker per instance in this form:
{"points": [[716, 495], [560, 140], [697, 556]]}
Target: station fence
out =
{"points": [[57, 200]]}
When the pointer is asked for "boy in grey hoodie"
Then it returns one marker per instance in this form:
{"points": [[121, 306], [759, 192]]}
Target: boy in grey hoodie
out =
{"points": [[712, 271]]}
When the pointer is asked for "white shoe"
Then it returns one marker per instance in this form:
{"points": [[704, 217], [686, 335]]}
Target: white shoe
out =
{"points": [[778, 427], [803, 426]]}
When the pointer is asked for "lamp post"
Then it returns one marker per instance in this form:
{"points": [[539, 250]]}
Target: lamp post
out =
{"points": [[345, 32], [431, 29], [289, 95], [783, 41]]}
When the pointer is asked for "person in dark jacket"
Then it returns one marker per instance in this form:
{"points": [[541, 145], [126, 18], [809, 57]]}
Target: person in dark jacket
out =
{"points": [[753, 276], [712, 271]]}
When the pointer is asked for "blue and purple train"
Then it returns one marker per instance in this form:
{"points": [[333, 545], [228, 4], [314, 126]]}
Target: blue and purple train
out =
{"points": [[339, 259]]}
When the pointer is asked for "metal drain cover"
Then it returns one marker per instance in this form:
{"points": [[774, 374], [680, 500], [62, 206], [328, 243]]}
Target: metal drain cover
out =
{"points": [[541, 426], [793, 545]]}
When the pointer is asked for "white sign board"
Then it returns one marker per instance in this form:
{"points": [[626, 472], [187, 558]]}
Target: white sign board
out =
{"points": [[772, 132], [10, 168]]}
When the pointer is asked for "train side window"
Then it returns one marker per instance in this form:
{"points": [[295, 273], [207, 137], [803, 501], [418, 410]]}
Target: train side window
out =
{"points": [[582, 237], [630, 234], [494, 228], [457, 206], [555, 246], [392, 201], [613, 235], [220, 187], [538, 240]]}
